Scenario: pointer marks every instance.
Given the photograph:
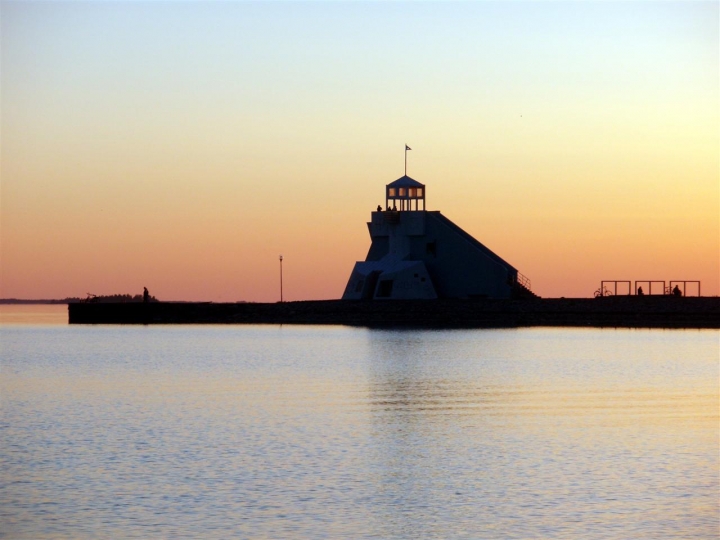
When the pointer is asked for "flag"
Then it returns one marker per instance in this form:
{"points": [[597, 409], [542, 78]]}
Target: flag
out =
{"points": [[407, 148]]}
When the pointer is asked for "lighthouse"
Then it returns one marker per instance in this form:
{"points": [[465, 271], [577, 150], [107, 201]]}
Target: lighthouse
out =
{"points": [[420, 254]]}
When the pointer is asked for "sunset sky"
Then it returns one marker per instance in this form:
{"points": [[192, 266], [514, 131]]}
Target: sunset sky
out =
{"points": [[183, 146]]}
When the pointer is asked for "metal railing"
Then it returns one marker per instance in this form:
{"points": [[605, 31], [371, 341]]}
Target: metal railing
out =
{"points": [[606, 291], [524, 281], [674, 288], [649, 291]]}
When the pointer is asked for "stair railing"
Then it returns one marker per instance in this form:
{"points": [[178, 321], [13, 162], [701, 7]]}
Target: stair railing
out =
{"points": [[524, 281]]}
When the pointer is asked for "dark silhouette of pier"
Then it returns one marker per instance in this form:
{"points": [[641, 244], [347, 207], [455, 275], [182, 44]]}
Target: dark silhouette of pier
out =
{"points": [[613, 311]]}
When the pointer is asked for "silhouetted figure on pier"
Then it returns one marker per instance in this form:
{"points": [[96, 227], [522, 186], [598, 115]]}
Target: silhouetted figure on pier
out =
{"points": [[640, 292], [676, 291], [379, 208], [146, 295]]}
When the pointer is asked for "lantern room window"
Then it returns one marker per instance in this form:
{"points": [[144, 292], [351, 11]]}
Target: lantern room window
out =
{"points": [[405, 194]]}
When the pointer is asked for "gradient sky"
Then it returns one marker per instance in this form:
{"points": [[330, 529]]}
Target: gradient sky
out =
{"points": [[183, 146]]}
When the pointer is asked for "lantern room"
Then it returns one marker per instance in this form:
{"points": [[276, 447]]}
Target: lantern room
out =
{"points": [[400, 194]]}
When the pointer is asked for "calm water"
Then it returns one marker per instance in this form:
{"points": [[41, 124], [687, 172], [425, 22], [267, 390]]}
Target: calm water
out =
{"points": [[332, 432]]}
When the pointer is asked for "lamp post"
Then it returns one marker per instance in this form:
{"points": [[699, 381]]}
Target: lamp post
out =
{"points": [[281, 292]]}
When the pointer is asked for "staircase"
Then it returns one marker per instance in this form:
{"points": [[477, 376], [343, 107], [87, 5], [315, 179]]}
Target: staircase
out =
{"points": [[521, 288]]}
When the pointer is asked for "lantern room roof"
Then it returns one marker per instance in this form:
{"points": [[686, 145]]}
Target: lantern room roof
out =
{"points": [[405, 181]]}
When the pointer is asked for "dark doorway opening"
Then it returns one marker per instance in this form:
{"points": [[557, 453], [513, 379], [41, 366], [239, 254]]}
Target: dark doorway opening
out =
{"points": [[385, 288]]}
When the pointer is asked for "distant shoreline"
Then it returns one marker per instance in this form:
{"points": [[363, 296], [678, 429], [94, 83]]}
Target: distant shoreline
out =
{"points": [[16, 301], [65, 301], [97, 299]]}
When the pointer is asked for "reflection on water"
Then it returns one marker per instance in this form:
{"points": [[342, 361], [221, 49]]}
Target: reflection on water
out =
{"points": [[503, 441], [266, 431]]}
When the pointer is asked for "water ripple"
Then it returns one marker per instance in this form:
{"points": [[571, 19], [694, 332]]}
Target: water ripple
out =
{"points": [[270, 432]]}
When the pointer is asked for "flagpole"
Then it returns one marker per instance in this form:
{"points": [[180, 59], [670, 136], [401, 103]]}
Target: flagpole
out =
{"points": [[406, 160]]}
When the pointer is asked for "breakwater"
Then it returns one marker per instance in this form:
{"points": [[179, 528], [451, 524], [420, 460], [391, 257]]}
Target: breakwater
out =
{"points": [[616, 311]]}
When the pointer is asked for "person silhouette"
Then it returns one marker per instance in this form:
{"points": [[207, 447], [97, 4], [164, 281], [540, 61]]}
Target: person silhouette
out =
{"points": [[676, 291], [640, 292], [146, 295], [379, 208]]}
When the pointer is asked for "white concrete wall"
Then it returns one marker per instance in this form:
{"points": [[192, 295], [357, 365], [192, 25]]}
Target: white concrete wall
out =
{"points": [[461, 267]]}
